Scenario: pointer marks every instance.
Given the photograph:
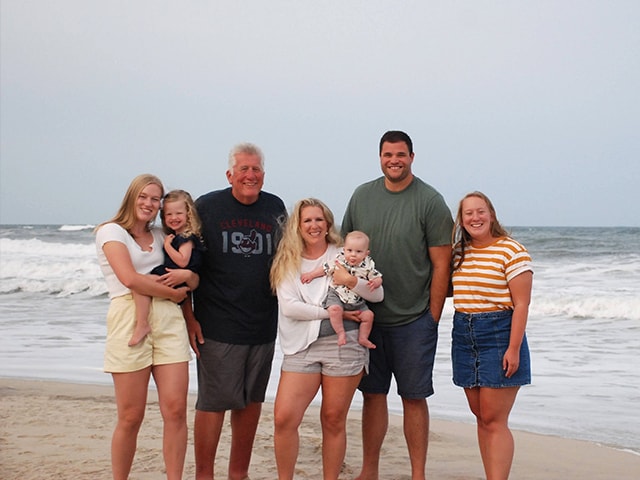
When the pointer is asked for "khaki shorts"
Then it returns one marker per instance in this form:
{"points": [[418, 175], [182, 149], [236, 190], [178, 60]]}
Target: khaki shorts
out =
{"points": [[167, 343]]}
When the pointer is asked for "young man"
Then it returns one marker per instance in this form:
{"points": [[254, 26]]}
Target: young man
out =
{"points": [[234, 328], [410, 228]]}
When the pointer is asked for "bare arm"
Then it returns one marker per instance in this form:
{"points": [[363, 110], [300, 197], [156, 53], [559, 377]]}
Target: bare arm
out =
{"points": [[194, 329], [312, 275], [520, 288], [180, 256], [120, 261], [441, 263]]}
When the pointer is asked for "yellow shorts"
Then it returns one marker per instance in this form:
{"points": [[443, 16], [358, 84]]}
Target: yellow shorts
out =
{"points": [[167, 343]]}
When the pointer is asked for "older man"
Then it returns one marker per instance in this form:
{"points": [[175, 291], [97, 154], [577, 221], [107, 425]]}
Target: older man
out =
{"points": [[234, 328]]}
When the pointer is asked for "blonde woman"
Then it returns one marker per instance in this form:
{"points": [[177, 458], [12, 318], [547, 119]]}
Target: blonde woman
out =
{"points": [[312, 358], [128, 247]]}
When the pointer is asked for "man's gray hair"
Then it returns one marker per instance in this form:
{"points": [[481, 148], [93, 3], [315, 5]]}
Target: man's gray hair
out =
{"points": [[249, 149]]}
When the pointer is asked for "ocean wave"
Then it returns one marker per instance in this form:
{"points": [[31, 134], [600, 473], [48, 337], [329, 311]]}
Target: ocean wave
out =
{"points": [[64, 263], [55, 288], [41, 252], [76, 228], [34, 266], [590, 306]]}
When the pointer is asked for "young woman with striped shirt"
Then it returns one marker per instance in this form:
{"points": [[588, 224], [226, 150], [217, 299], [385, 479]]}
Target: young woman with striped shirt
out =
{"points": [[492, 278]]}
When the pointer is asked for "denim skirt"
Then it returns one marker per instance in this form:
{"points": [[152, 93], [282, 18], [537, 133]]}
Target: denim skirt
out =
{"points": [[478, 344]]}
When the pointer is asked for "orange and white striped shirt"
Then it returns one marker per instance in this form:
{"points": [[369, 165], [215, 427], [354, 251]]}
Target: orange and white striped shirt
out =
{"points": [[481, 282]]}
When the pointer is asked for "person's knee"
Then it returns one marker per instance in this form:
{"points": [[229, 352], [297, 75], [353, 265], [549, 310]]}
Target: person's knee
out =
{"points": [[284, 421], [174, 410], [333, 421], [491, 424], [374, 397], [366, 316], [374, 401], [415, 406], [131, 418], [492, 420]]}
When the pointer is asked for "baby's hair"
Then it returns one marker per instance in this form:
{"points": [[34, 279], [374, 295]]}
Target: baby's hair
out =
{"points": [[357, 234], [193, 226]]}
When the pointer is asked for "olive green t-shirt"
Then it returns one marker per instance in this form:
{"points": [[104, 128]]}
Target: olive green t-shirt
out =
{"points": [[401, 227]]}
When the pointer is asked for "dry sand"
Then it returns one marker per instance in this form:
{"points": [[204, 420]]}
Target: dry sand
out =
{"points": [[51, 430]]}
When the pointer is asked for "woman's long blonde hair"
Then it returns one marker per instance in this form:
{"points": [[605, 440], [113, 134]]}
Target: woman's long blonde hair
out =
{"points": [[126, 216], [288, 257], [193, 226]]}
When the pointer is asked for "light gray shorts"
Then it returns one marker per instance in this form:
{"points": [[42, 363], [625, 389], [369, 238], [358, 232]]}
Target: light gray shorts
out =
{"points": [[326, 357]]}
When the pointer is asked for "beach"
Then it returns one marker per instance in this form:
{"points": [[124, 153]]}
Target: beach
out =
{"points": [[576, 420], [57, 430]]}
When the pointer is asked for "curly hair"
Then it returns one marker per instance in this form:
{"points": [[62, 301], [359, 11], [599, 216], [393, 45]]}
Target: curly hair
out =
{"points": [[193, 226]]}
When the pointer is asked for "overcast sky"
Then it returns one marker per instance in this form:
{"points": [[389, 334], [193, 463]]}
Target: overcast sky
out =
{"points": [[535, 103]]}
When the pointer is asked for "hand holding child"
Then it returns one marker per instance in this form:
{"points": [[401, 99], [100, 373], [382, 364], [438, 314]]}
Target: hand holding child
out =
{"points": [[374, 283]]}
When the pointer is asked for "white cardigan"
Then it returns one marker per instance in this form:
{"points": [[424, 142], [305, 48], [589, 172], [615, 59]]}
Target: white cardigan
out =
{"points": [[300, 305]]}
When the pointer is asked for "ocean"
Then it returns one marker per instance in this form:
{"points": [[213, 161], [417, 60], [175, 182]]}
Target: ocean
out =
{"points": [[583, 330]]}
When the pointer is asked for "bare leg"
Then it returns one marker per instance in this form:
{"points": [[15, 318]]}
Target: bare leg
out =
{"points": [[244, 424], [335, 317], [492, 407], [131, 400], [337, 393], [172, 381], [366, 324], [295, 392], [375, 420], [416, 434], [206, 436], [142, 328]]}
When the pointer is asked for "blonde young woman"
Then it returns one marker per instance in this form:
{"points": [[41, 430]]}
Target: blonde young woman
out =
{"points": [[128, 247], [312, 358], [492, 278]]}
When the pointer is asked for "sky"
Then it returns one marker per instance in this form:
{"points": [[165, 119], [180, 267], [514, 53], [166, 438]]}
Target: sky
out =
{"points": [[535, 103]]}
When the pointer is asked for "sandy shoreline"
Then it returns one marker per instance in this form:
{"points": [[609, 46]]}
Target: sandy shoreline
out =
{"points": [[52, 430]]}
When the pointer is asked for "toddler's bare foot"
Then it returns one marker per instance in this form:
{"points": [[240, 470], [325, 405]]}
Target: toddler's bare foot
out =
{"points": [[342, 339], [366, 343], [138, 334]]}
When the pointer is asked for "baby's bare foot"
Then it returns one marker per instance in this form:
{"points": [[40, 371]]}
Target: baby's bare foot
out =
{"points": [[138, 334], [366, 343]]}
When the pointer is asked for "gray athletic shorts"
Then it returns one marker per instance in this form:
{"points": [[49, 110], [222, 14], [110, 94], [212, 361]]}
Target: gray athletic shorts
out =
{"points": [[230, 377], [326, 357]]}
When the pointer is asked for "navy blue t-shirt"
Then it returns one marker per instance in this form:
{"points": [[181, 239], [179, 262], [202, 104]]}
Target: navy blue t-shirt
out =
{"points": [[194, 261], [234, 302]]}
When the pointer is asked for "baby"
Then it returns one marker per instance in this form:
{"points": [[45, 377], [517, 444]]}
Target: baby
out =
{"points": [[354, 256]]}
